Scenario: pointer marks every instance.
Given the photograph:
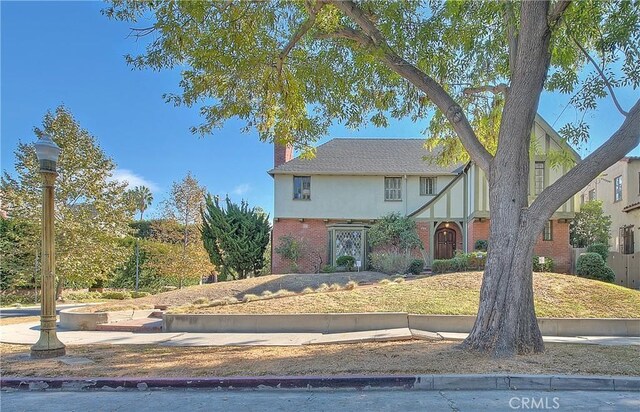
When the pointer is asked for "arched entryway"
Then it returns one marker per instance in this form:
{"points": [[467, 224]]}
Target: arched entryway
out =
{"points": [[445, 241]]}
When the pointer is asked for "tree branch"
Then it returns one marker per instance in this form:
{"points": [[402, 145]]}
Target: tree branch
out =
{"points": [[512, 36], [302, 30], [556, 13], [497, 89], [140, 32], [372, 37], [616, 147], [601, 73]]}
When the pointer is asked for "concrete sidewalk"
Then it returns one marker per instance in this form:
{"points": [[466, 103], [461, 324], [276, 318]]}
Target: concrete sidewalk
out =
{"points": [[28, 333]]}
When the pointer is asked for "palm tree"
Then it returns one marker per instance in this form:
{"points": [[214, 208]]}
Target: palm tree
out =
{"points": [[142, 199]]}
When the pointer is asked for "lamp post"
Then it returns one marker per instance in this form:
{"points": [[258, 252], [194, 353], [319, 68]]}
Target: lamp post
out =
{"points": [[48, 345]]}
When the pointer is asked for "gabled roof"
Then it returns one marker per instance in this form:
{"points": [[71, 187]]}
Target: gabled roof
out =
{"points": [[369, 157]]}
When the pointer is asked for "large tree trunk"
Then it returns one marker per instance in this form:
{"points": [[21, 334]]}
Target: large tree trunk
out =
{"points": [[506, 322]]}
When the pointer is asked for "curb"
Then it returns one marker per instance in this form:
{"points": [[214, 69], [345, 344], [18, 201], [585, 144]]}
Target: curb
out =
{"points": [[345, 382]]}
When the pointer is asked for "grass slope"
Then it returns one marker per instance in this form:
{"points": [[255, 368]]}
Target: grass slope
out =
{"points": [[452, 294]]}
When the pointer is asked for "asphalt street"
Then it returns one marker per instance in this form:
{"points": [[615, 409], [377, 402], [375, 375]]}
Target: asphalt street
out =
{"points": [[345, 400]]}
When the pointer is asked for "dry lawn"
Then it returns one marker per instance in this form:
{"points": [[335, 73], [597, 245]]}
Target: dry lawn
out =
{"points": [[238, 288], [556, 295], [404, 357]]}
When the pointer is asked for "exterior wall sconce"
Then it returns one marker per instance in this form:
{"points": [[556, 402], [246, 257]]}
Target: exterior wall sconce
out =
{"points": [[277, 219], [325, 220], [301, 219], [349, 221]]}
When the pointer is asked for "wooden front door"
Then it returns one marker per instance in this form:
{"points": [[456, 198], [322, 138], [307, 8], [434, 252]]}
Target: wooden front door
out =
{"points": [[445, 243]]}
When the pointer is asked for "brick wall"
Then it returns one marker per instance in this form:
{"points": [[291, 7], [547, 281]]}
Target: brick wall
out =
{"points": [[424, 233], [558, 249], [314, 236], [477, 231], [282, 154]]}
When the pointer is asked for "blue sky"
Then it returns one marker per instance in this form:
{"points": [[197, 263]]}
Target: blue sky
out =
{"points": [[68, 53]]}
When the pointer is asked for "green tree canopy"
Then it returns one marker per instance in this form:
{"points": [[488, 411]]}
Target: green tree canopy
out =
{"points": [[235, 236], [590, 225], [91, 210], [20, 249]]}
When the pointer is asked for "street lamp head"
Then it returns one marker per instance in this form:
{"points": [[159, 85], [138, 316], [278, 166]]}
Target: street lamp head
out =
{"points": [[47, 152]]}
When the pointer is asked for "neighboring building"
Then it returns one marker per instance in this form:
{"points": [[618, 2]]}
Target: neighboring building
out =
{"points": [[329, 202], [618, 188]]}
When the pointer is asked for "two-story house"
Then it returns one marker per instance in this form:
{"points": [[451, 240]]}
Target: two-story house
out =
{"points": [[329, 202], [618, 188]]}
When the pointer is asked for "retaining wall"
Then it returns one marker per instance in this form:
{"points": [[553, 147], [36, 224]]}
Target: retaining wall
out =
{"points": [[355, 322]]}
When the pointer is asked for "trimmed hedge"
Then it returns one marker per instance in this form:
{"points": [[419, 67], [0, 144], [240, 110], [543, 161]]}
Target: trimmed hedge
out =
{"points": [[416, 267], [460, 263], [591, 265], [601, 249], [390, 263], [115, 294], [348, 262]]}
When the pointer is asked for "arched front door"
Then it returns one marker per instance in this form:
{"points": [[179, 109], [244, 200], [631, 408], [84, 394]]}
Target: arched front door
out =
{"points": [[445, 243]]}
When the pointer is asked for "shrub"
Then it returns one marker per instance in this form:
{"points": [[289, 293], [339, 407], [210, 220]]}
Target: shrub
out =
{"points": [[441, 266], [335, 287], [390, 263], [78, 296], [328, 269], [481, 245], [139, 294], [290, 249], [307, 290], [591, 265], [250, 297], [477, 260], [348, 262], [201, 301], [459, 263], [607, 274], [282, 293], [116, 294], [547, 266], [416, 267], [394, 232], [351, 285], [601, 249]]}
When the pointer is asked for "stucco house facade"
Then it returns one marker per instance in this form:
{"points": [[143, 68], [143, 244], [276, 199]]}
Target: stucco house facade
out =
{"points": [[329, 202], [618, 188]]}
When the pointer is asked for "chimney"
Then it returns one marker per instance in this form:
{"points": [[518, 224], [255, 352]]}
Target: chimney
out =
{"points": [[282, 154]]}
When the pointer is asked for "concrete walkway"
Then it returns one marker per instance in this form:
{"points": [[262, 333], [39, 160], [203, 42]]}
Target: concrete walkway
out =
{"points": [[28, 333]]}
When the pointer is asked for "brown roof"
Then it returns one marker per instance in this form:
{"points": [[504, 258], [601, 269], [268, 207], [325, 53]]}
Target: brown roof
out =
{"points": [[369, 157]]}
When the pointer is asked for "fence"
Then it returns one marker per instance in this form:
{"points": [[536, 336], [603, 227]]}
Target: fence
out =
{"points": [[626, 268]]}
